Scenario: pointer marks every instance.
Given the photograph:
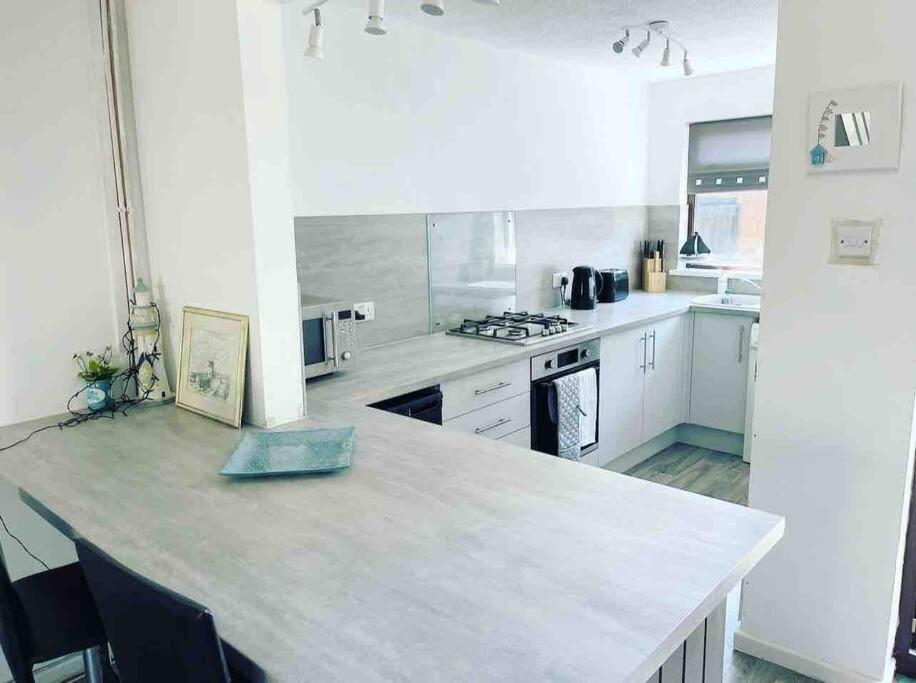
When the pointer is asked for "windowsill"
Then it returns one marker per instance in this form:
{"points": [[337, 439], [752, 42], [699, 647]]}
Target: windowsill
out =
{"points": [[715, 273]]}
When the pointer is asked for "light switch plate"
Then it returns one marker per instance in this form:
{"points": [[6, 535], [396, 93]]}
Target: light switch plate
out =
{"points": [[364, 311], [853, 242]]}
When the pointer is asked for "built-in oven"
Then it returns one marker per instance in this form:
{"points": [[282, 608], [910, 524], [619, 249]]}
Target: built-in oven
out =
{"points": [[328, 335], [547, 367]]}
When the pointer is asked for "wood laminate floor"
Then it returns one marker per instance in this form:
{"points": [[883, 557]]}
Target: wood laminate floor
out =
{"points": [[700, 470]]}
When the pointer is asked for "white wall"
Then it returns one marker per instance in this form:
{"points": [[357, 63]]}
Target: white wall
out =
{"points": [[838, 363], [58, 292], [267, 130], [674, 105], [419, 121], [210, 222]]}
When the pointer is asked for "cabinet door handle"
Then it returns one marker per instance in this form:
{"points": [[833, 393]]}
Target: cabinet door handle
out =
{"points": [[652, 362], [642, 367], [741, 344], [498, 423], [495, 387]]}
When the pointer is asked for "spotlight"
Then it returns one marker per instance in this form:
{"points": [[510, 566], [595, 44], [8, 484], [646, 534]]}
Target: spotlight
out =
{"points": [[638, 50], [666, 55], [375, 25], [688, 69], [316, 39], [434, 8], [622, 43]]}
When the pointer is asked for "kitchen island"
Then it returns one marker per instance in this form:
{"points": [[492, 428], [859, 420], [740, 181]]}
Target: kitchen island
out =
{"points": [[436, 556]]}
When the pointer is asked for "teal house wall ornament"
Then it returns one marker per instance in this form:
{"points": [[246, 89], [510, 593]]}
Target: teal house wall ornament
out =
{"points": [[819, 152], [818, 155]]}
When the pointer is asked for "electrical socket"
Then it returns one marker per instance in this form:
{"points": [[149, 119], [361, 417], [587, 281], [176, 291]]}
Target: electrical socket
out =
{"points": [[558, 279], [364, 311]]}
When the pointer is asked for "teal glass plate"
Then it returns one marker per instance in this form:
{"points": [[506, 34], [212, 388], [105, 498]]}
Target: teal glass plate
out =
{"points": [[304, 451]]}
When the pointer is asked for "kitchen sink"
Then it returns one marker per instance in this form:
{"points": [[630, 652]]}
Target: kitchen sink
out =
{"points": [[733, 301]]}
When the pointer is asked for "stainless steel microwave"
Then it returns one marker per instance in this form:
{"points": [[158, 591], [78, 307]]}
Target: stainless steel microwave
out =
{"points": [[328, 335]]}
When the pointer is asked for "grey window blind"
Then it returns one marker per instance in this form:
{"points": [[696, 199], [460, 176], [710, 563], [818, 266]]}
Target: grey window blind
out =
{"points": [[725, 156]]}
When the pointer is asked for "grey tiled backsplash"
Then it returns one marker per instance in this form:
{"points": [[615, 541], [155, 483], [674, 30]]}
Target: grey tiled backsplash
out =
{"points": [[558, 240], [385, 258], [369, 258]]}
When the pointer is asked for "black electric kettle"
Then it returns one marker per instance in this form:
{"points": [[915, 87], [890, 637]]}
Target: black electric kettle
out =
{"points": [[586, 284]]}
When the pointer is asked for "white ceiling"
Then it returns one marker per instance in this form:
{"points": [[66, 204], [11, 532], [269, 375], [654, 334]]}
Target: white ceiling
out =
{"points": [[722, 35]]}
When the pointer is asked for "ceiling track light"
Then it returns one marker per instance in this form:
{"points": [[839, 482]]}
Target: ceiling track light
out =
{"points": [[639, 49], [315, 50], [375, 25], [654, 28], [434, 8], [666, 54], [621, 44]]}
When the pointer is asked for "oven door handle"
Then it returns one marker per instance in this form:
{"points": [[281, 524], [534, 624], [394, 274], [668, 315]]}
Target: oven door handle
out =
{"points": [[330, 345]]}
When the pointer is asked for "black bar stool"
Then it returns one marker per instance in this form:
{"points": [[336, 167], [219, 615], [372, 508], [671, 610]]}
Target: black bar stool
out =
{"points": [[156, 634], [48, 615]]}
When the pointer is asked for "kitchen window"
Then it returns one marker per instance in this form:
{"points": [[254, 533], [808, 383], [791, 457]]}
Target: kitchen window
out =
{"points": [[728, 177]]}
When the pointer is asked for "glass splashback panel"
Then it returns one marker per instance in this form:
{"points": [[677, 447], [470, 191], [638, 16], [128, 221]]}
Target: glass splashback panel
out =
{"points": [[471, 266]]}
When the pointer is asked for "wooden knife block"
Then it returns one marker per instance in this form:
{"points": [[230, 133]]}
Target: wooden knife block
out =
{"points": [[654, 279]]}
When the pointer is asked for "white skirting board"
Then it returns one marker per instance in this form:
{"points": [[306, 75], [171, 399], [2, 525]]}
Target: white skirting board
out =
{"points": [[642, 453], [815, 668], [692, 435], [713, 439]]}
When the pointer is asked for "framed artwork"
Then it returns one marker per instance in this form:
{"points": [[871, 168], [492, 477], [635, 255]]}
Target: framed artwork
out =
{"points": [[856, 129], [211, 376]]}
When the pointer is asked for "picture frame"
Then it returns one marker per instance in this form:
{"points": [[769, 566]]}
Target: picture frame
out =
{"points": [[856, 129], [211, 376]]}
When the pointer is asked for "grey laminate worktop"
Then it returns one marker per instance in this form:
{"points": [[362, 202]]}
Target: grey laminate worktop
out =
{"points": [[402, 367], [437, 556]]}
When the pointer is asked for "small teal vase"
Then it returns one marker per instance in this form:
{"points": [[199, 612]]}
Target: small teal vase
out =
{"points": [[98, 395]]}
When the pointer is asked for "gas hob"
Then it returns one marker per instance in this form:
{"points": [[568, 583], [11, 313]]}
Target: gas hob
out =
{"points": [[522, 328]]}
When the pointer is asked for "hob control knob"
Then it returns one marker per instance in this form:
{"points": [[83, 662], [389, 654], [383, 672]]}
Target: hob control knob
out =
{"points": [[586, 353], [548, 364], [346, 355]]}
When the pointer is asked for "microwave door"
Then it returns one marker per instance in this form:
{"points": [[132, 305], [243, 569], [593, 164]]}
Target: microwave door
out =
{"points": [[318, 340]]}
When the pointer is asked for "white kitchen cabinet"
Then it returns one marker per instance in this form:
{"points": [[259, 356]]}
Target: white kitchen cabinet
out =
{"points": [[666, 377], [622, 386], [718, 388], [497, 420], [643, 385], [467, 394]]}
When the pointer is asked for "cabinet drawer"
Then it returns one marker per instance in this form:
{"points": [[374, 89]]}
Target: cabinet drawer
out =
{"points": [[495, 421], [520, 438], [465, 394]]}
